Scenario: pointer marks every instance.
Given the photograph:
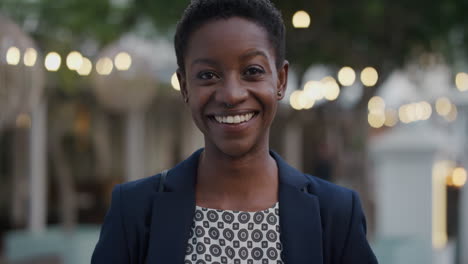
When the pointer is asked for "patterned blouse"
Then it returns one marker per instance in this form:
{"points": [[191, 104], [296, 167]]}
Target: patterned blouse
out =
{"points": [[237, 237]]}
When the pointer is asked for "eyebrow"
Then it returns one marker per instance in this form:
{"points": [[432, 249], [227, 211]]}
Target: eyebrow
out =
{"points": [[204, 61], [245, 56], [253, 53]]}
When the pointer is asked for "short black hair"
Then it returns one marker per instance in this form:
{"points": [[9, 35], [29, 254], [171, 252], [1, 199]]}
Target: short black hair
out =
{"points": [[261, 12]]}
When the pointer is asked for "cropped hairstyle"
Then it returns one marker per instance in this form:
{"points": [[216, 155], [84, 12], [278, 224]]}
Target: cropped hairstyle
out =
{"points": [[261, 12]]}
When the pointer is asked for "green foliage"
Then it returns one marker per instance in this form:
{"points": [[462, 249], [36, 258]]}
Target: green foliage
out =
{"points": [[381, 33]]}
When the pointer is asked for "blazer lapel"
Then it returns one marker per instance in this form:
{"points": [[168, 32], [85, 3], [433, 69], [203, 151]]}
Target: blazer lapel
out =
{"points": [[172, 214], [300, 224], [173, 210]]}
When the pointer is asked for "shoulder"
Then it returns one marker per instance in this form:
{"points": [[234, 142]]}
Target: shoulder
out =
{"points": [[330, 193], [343, 222], [141, 188], [337, 204], [136, 197]]}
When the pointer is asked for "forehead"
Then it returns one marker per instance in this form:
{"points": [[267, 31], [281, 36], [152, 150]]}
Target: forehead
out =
{"points": [[228, 37]]}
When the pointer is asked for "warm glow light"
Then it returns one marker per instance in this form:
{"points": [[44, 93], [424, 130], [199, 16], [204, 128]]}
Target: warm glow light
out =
{"points": [[440, 170], [426, 110], [85, 68], [74, 60], [403, 114], [294, 100], [306, 103], [376, 104], [301, 19], [459, 177], [104, 66], [461, 81], [23, 121], [123, 61], [331, 88], [376, 120], [314, 90], [443, 106], [452, 115], [13, 56], [30, 57], [411, 112], [52, 61], [346, 76], [175, 82], [369, 76], [449, 181], [391, 117], [418, 110], [415, 112]]}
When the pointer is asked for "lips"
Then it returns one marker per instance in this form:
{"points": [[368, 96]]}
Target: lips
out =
{"points": [[233, 119], [233, 122]]}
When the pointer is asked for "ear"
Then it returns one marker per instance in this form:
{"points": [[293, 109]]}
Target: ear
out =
{"points": [[182, 84], [282, 80]]}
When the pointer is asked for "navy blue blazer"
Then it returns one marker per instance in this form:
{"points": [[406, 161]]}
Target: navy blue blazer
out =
{"points": [[319, 222]]}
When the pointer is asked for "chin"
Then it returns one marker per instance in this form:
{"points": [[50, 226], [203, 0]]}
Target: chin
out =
{"points": [[235, 149]]}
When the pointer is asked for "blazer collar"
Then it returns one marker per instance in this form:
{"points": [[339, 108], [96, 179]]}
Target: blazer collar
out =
{"points": [[300, 221], [173, 211]]}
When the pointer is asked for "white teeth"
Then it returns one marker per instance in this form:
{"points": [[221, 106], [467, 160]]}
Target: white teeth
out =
{"points": [[234, 119]]}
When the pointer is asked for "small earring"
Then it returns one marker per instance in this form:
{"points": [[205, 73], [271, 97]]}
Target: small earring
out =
{"points": [[279, 93]]}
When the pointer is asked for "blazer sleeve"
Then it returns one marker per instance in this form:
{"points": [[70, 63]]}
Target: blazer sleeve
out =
{"points": [[357, 249], [112, 245]]}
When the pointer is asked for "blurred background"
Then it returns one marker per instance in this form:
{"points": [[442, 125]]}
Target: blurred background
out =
{"points": [[377, 101]]}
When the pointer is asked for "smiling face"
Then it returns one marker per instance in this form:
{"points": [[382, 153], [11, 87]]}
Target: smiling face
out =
{"points": [[232, 85]]}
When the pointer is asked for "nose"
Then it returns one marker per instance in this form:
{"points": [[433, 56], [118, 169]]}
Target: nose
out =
{"points": [[231, 92]]}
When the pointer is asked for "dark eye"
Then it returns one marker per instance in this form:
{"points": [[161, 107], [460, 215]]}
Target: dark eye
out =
{"points": [[207, 75], [253, 71]]}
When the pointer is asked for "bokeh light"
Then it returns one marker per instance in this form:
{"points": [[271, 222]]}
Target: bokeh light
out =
{"points": [[175, 82], [452, 115], [461, 81], [13, 56], [369, 76], [123, 61], [74, 60], [331, 88], [346, 76], [314, 90], [30, 57], [376, 104], [403, 114], [305, 102], [459, 177], [443, 106], [52, 61], [301, 19], [426, 110], [104, 66], [86, 67], [391, 117], [376, 120], [299, 100]]}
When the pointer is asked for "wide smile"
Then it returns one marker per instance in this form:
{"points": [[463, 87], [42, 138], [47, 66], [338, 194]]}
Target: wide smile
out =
{"points": [[234, 119], [238, 120]]}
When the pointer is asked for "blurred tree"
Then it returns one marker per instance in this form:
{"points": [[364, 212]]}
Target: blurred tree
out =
{"points": [[361, 32]]}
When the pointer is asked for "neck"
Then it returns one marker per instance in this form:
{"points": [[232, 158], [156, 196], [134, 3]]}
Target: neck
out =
{"points": [[232, 182]]}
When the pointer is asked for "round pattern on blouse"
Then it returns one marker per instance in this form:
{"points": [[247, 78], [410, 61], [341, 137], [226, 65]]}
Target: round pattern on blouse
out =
{"points": [[224, 236]]}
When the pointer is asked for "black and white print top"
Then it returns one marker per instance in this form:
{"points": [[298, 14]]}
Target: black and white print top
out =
{"points": [[234, 237]]}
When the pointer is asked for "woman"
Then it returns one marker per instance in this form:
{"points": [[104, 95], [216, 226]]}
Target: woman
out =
{"points": [[234, 201]]}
